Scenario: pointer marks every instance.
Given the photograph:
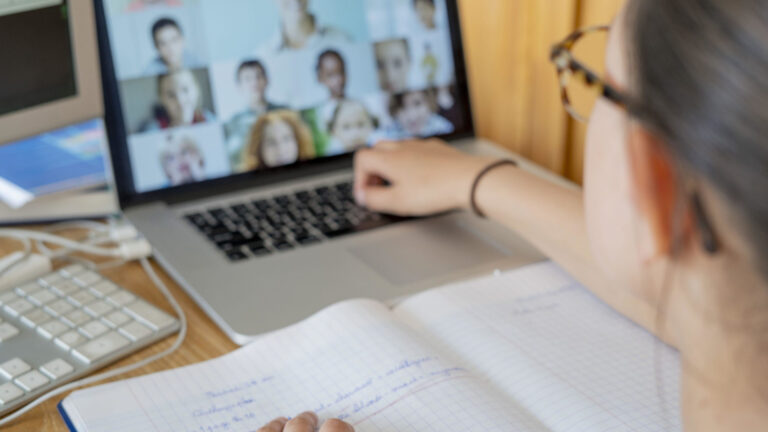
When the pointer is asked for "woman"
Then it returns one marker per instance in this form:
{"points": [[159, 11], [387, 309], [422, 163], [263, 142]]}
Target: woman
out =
{"points": [[671, 229], [180, 102], [278, 138]]}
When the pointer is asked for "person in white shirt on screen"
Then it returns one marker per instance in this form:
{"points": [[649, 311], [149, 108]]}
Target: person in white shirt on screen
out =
{"points": [[299, 29], [416, 115], [252, 81], [180, 102], [182, 161], [351, 127], [170, 43], [393, 62], [426, 11], [332, 74]]}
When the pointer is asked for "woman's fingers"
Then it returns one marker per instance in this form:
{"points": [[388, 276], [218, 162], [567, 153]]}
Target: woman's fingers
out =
{"points": [[276, 425], [304, 422], [335, 425]]}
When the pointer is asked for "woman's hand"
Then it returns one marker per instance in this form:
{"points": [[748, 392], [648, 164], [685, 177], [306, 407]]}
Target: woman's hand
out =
{"points": [[306, 422], [415, 178]]}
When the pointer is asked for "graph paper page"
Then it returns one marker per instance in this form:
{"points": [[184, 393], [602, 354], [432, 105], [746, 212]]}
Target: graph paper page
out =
{"points": [[546, 342], [354, 361]]}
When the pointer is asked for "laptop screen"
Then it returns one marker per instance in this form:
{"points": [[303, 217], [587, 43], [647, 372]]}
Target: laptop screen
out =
{"points": [[212, 88]]}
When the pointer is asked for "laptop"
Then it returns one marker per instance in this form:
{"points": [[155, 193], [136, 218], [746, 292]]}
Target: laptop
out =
{"points": [[232, 131]]}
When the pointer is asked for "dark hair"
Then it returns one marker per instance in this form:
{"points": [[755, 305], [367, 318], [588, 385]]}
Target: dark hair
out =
{"points": [[331, 53], [163, 23], [699, 74], [248, 64]]}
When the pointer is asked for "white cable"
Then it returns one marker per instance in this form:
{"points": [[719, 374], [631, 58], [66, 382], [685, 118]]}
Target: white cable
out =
{"points": [[61, 241], [111, 374], [21, 259]]}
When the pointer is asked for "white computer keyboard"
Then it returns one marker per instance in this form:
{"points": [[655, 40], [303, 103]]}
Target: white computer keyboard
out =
{"points": [[68, 324]]}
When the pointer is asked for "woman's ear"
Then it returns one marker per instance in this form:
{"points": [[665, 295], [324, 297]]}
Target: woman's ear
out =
{"points": [[655, 192]]}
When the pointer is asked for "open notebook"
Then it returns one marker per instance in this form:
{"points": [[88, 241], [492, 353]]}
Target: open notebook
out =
{"points": [[528, 350]]}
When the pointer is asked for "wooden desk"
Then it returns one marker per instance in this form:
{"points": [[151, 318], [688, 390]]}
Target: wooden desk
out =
{"points": [[204, 340]]}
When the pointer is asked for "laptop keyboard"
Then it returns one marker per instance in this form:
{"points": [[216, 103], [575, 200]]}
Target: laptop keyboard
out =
{"points": [[282, 223]]}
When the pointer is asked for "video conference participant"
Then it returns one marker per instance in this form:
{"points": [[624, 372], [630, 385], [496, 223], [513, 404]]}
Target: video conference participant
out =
{"points": [[300, 29], [331, 72], [416, 115], [351, 127], [278, 138], [182, 161], [252, 81], [426, 11], [180, 102], [393, 62], [170, 43]]}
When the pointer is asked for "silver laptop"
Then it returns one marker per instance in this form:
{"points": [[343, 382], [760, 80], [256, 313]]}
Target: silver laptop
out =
{"points": [[232, 128]]}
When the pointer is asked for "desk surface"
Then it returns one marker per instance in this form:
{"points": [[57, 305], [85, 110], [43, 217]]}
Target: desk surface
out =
{"points": [[204, 340]]}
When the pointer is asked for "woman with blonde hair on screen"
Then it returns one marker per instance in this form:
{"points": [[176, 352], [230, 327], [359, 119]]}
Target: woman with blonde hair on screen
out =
{"points": [[278, 138]]}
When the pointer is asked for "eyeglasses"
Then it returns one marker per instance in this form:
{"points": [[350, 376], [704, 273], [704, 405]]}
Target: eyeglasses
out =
{"points": [[581, 87]]}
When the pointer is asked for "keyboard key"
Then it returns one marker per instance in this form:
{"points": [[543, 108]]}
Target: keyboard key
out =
{"points": [[65, 287], [32, 381], [101, 347], [86, 278], [51, 279], [14, 367], [34, 318], [103, 288], [42, 297], [75, 318], [116, 319], [72, 270], [150, 315], [19, 307], [9, 392], [56, 369], [70, 340], [59, 307], [93, 329], [52, 328], [97, 308], [135, 331], [121, 298], [7, 331], [81, 298]]}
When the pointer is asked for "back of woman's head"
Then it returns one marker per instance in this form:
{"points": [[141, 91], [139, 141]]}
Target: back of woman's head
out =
{"points": [[700, 80]]}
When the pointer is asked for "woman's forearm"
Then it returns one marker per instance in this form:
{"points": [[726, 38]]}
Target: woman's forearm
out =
{"points": [[552, 218]]}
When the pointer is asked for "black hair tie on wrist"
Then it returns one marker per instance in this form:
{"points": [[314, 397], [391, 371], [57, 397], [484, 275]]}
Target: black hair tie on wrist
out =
{"points": [[476, 183]]}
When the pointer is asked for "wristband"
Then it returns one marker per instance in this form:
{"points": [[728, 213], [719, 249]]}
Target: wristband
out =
{"points": [[476, 183]]}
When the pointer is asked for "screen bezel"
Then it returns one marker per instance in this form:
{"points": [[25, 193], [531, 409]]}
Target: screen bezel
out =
{"points": [[118, 142]]}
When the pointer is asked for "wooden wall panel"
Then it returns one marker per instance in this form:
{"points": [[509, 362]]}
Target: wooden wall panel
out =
{"points": [[514, 87]]}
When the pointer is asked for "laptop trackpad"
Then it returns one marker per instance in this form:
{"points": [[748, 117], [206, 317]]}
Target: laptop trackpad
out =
{"points": [[426, 251]]}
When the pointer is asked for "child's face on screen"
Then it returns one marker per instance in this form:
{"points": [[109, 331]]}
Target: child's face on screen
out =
{"points": [[170, 46], [183, 163], [415, 113], [394, 64], [180, 96], [279, 145], [293, 10], [426, 12], [331, 74], [353, 126], [253, 83]]}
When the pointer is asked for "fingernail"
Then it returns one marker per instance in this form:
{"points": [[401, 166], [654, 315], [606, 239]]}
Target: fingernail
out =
{"points": [[360, 197]]}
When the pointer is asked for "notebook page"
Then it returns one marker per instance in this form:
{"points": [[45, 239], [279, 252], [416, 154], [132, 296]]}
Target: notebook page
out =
{"points": [[354, 361], [549, 344]]}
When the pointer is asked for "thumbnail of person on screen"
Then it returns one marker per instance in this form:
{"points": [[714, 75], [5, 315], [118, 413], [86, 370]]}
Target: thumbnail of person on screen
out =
{"points": [[182, 161], [170, 43], [252, 81], [426, 11], [416, 115], [180, 102], [278, 138], [351, 127], [393, 62], [140, 5], [300, 29]]}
